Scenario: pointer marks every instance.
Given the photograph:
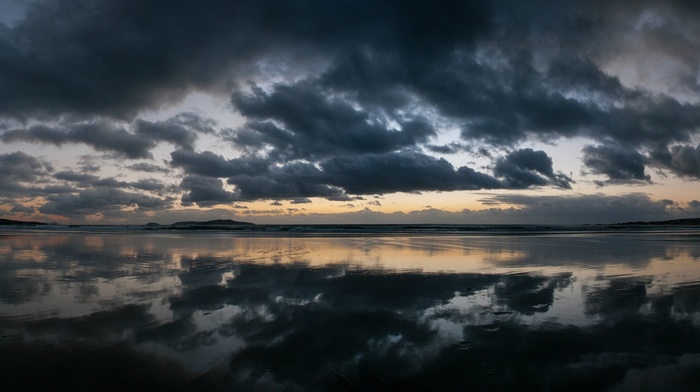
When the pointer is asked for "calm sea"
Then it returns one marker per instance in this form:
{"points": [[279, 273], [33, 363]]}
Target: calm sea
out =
{"points": [[434, 308]]}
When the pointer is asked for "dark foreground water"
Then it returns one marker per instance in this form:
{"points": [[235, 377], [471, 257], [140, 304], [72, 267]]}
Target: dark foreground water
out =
{"points": [[230, 311]]}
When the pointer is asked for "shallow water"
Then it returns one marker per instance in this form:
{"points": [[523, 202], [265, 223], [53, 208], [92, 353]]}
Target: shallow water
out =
{"points": [[565, 311]]}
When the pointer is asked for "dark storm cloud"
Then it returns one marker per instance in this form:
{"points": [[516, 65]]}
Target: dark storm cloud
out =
{"points": [[527, 167], [180, 130], [111, 58], [212, 165], [115, 57], [499, 69], [20, 167], [411, 171], [110, 202], [100, 136], [338, 177], [402, 172], [295, 180], [148, 184], [19, 172], [205, 191], [316, 123], [84, 180], [619, 164], [683, 160], [344, 95]]}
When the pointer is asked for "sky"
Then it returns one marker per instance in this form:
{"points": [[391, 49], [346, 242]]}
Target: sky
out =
{"points": [[299, 111]]}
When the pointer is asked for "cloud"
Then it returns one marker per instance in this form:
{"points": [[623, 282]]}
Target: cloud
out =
{"points": [[619, 164], [402, 172], [82, 178], [525, 168], [18, 171], [353, 98], [683, 160], [20, 167], [315, 123], [16, 207], [213, 165], [100, 136], [109, 202], [85, 180], [295, 180], [180, 130], [71, 66], [206, 191], [148, 168]]}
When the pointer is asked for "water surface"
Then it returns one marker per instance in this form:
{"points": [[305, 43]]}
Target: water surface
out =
{"points": [[169, 310]]}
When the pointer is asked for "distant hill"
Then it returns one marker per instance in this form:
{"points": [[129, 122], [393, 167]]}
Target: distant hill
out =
{"points": [[10, 222], [215, 222], [673, 222]]}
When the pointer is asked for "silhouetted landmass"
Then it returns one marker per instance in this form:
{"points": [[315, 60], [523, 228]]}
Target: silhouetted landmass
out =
{"points": [[152, 224], [673, 222], [10, 222], [215, 222]]}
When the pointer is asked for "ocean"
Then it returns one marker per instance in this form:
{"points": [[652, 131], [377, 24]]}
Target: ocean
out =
{"points": [[356, 307]]}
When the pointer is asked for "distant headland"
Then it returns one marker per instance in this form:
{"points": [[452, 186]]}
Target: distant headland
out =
{"points": [[10, 222], [673, 222], [216, 224]]}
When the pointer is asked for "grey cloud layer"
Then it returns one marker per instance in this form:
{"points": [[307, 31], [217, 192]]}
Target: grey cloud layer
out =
{"points": [[77, 194], [336, 177], [180, 130], [619, 164], [345, 98]]}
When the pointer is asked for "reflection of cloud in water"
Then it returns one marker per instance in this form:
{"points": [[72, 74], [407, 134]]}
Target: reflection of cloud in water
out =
{"points": [[680, 376], [313, 314], [622, 297]]}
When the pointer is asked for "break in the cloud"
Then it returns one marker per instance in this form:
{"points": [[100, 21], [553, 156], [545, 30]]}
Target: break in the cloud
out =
{"points": [[515, 209], [337, 99]]}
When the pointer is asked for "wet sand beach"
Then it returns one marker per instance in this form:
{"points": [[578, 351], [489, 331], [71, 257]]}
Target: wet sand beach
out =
{"points": [[227, 311]]}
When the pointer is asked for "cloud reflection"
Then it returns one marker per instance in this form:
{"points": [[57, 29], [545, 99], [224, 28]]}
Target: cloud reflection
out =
{"points": [[262, 313]]}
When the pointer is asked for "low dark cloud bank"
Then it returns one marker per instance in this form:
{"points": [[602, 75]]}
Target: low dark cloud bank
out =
{"points": [[347, 98]]}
